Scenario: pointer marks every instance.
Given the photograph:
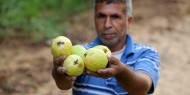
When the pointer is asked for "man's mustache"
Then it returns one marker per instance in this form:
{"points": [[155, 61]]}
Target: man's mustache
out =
{"points": [[106, 32]]}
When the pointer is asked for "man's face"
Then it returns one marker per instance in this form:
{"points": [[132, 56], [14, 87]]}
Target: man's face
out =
{"points": [[111, 22]]}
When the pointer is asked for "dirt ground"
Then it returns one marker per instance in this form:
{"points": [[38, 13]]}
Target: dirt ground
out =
{"points": [[26, 70]]}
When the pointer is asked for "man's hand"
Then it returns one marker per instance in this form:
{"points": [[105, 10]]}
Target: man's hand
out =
{"points": [[61, 70], [62, 80], [114, 67]]}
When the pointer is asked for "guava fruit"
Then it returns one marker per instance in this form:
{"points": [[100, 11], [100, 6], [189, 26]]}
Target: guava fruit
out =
{"points": [[95, 59], [74, 65], [105, 49], [61, 45], [78, 50]]}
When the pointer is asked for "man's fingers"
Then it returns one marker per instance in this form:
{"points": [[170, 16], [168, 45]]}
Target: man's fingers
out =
{"points": [[107, 71], [113, 60], [71, 78], [91, 73], [61, 70], [102, 71], [59, 60]]}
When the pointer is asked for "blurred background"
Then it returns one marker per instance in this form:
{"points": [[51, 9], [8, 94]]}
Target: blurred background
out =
{"points": [[27, 26]]}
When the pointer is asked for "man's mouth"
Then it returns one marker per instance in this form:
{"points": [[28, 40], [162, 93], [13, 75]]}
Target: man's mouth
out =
{"points": [[107, 35]]}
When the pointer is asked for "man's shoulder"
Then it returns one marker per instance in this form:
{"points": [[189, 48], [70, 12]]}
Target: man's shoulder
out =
{"points": [[143, 50], [144, 47]]}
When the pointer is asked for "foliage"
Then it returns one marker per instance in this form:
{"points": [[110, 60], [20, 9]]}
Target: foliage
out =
{"points": [[41, 19]]}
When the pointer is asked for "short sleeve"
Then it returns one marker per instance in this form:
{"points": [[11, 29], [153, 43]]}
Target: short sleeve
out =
{"points": [[149, 63]]}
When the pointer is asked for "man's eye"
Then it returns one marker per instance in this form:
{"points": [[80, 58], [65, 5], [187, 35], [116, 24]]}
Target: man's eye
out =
{"points": [[115, 16], [101, 16]]}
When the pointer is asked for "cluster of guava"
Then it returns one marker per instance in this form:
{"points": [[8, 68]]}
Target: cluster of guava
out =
{"points": [[78, 58]]}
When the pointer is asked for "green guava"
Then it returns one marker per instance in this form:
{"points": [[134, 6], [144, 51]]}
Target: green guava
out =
{"points": [[61, 45], [78, 50], [74, 65], [95, 59], [105, 49]]}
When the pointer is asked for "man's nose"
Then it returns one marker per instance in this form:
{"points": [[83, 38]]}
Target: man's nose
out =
{"points": [[108, 23]]}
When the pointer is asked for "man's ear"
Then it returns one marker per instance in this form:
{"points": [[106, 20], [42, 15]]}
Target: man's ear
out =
{"points": [[130, 20]]}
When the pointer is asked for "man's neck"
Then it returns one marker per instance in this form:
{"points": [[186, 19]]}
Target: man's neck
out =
{"points": [[118, 46]]}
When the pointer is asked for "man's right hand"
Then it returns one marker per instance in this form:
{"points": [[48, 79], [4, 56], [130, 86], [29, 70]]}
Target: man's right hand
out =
{"points": [[62, 80]]}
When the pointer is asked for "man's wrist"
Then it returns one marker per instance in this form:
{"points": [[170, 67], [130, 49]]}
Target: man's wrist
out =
{"points": [[121, 71], [125, 71]]}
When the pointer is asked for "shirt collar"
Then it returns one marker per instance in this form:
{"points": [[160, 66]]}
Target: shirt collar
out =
{"points": [[129, 48], [95, 42]]}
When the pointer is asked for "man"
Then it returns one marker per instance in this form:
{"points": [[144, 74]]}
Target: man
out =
{"points": [[133, 69]]}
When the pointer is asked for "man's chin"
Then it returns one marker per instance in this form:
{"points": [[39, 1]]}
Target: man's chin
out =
{"points": [[109, 42]]}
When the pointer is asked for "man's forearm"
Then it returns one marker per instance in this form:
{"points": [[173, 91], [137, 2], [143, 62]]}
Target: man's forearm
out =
{"points": [[61, 81], [133, 82]]}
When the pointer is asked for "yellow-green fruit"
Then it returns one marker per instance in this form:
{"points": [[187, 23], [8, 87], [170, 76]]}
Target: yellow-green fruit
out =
{"points": [[61, 45], [74, 65], [105, 49], [95, 59], [78, 50]]}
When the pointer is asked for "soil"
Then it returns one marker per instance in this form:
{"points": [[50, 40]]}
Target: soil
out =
{"points": [[26, 69]]}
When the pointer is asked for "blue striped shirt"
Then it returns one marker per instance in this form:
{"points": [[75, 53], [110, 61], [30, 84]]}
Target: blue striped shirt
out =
{"points": [[139, 57]]}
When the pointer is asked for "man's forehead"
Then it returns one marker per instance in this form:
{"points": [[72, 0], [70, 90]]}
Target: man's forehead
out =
{"points": [[112, 8]]}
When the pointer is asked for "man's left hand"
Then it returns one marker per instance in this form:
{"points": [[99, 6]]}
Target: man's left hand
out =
{"points": [[115, 66]]}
